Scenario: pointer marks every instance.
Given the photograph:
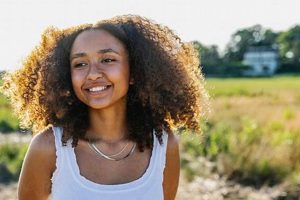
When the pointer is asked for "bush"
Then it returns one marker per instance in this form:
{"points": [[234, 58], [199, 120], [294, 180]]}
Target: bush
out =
{"points": [[11, 159], [226, 70], [254, 155], [288, 68], [5, 175], [8, 121], [5, 127]]}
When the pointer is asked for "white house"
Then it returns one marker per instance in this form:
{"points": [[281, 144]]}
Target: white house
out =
{"points": [[263, 61]]}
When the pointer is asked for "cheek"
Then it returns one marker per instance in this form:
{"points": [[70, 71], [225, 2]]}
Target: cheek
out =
{"points": [[119, 75], [76, 82], [125, 73]]}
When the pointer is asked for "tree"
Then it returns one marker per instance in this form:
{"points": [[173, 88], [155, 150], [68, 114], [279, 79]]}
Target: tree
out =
{"points": [[209, 55], [212, 63], [242, 39], [289, 48]]}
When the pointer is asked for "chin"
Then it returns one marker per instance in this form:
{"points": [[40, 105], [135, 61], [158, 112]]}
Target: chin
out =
{"points": [[107, 103], [98, 107]]}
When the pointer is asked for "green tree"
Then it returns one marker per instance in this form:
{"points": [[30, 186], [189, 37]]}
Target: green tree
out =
{"points": [[209, 55], [242, 39], [213, 64], [289, 46]]}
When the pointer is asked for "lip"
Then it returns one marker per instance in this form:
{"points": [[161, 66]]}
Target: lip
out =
{"points": [[99, 93], [95, 84]]}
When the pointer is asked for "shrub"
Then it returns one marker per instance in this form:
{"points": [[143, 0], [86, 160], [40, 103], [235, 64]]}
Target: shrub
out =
{"points": [[11, 159], [253, 155]]}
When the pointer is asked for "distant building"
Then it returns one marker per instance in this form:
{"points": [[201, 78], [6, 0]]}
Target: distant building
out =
{"points": [[262, 60]]}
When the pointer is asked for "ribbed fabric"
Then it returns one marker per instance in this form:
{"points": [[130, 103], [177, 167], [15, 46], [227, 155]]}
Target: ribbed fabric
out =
{"points": [[68, 184]]}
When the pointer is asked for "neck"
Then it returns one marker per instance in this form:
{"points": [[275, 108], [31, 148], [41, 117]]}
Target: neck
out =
{"points": [[108, 124]]}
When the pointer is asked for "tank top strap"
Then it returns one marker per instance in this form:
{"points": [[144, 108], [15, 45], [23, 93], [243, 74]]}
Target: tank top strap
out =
{"points": [[162, 148], [57, 132]]}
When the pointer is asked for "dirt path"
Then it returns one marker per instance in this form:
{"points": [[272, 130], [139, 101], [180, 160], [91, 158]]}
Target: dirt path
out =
{"points": [[8, 192], [15, 138], [216, 188]]}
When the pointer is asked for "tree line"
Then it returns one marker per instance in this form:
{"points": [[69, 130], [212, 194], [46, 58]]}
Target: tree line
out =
{"points": [[287, 43]]}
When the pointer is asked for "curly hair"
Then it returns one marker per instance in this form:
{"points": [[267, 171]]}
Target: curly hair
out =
{"points": [[168, 90]]}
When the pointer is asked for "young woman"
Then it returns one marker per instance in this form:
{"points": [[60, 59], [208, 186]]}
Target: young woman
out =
{"points": [[106, 99]]}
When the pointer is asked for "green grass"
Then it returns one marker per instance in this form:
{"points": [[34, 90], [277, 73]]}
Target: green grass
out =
{"points": [[252, 86]]}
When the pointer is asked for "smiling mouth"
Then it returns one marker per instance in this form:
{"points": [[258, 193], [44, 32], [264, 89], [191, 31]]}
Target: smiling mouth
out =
{"points": [[98, 89]]}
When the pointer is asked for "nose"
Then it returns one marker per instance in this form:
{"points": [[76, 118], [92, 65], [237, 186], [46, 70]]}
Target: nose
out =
{"points": [[94, 72]]}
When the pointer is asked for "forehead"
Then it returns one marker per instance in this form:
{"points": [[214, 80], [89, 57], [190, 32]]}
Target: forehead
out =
{"points": [[95, 40]]}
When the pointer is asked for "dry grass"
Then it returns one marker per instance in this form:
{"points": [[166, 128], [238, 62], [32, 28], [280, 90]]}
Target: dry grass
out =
{"points": [[253, 131]]}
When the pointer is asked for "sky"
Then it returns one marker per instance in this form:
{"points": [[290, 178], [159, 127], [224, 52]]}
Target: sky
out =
{"points": [[208, 21]]}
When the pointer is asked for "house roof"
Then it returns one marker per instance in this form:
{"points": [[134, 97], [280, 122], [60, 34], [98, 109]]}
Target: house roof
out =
{"points": [[261, 49]]}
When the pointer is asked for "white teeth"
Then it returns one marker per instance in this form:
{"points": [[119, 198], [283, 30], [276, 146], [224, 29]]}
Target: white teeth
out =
{"points": [[97, 89]]}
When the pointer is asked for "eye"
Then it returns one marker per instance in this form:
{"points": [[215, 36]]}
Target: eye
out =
{"points": [[78, 65], [107, 60]]}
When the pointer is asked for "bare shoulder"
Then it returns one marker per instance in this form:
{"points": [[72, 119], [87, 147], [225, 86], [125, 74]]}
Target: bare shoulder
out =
{"points": [[173, 143], [44, 141], [42, 149], [38, 167], [172, 167]]}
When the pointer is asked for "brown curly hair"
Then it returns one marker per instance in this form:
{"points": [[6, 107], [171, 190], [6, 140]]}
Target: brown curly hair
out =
{"points": [[168, 90]]}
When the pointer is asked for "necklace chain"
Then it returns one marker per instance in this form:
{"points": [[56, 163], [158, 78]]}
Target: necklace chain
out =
{"points": [[110, 157], [116, 154]]}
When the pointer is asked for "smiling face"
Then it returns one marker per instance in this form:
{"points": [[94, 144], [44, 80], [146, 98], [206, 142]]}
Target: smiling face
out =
{"points": [[99, 69]]}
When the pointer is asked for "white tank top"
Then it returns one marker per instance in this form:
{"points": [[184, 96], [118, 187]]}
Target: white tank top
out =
{"points": [[69, 184]]}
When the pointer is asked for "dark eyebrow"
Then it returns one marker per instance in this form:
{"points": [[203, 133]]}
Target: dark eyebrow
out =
{"points": [[77, 55], [108, 50]]}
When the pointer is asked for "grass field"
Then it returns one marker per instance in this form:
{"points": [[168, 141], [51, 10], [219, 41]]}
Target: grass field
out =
{"points": [[252, 131]]}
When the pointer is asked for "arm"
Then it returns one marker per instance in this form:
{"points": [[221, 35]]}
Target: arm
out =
{"points": [[37, 169], [172, 168]]}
